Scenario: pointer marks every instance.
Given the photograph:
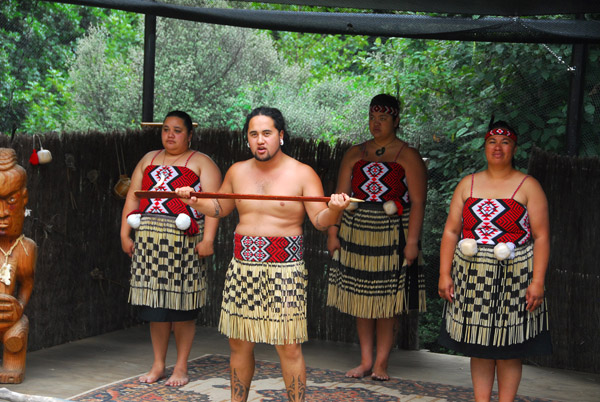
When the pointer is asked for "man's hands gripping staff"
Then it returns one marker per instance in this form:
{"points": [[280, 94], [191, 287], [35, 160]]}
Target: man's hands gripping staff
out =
{"points": [[207, 206], [321, 215], [330, 215]]}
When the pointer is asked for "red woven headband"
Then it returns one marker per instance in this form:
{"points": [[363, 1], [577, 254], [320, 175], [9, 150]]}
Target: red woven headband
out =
{"points": [[385, 109], [502, 131]]}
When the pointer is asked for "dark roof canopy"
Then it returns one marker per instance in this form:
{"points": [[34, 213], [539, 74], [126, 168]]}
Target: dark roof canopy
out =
{"points": [[491, 29], [471, 7]]}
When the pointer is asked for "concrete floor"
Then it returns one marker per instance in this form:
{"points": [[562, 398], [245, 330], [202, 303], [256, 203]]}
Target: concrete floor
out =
{"points": [[67, 370]]}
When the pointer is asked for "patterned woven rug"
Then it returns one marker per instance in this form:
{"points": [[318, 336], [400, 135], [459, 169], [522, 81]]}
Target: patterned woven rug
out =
{"points": [[209, 382]]}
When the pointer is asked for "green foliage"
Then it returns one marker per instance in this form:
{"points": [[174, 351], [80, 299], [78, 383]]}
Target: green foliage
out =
{"points": [[37, 39], [47, 100], [105, 83], [208, 70], [323, 55], [450, 90], [330, 109]]}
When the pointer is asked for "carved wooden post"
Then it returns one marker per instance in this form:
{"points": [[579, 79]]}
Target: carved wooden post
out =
{"points": [[17, 266]]}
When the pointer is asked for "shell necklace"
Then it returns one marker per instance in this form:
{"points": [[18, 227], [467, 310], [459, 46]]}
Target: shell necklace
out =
{"points": [[6, 268], [381, 151]]}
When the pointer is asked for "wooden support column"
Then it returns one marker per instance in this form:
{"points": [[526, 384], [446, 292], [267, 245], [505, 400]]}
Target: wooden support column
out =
{"points": [[575, 106], [149, 63]]}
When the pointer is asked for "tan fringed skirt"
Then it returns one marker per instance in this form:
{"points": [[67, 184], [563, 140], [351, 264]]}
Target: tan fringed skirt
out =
{"points": [[371, 280], [165, 270], [488, 317], [265, 302]]}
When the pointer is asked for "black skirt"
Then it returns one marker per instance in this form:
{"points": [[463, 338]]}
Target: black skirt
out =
{"points": [[152, 314]]}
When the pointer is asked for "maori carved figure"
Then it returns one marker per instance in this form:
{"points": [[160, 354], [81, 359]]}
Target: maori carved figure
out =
{"points": [[17, 266]]}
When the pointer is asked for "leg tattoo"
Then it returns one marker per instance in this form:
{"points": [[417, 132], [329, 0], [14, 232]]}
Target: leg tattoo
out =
{"points": [[296, 391], [239, 390]]}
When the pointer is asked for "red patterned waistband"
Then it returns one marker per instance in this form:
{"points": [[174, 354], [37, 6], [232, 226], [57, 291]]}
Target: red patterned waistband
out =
{"points": [[269, 249]]}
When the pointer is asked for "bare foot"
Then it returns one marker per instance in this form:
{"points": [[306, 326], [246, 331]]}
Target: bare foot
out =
{"points": [[178, 379], [380, 375], [152, 376], [359, 372]]}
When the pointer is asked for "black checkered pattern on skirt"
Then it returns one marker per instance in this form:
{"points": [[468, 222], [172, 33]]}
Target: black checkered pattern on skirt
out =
{"points": [[489, 307], [166, 271], [265, 302]]}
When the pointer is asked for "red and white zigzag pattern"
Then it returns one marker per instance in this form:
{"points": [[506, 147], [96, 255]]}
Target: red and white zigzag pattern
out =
{"points": [[269, 249], [492, 221], [168, 178], [379, 182]]}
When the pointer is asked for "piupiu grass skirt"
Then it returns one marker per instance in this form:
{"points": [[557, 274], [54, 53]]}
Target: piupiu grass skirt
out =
{"points": [[265, 302], [166, 272], [488, 317], [371, 279]]}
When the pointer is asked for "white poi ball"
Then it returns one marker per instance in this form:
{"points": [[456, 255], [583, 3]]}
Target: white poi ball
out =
{"points": [[502, 251], [183, 221], [390, 208], [336, 255], [352, 206], [44, 156], [134, 220], [468, 247]]}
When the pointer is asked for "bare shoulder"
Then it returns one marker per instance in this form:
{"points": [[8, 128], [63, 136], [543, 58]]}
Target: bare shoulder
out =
{"points": [[151, 154], [300, 168], [238, 169], [355, 152], [410, 155], [463, 188], [531, 181], [466, 181], [241, 165], [147, 159], [201, 159], [201, 156], [356, 149], [532, 187]]}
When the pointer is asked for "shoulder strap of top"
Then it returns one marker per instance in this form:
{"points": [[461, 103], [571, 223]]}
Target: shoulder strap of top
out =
{"points": [[155, 155], [472, 181], [398, 154], [520, 184], [363, 147], [189, 157]]}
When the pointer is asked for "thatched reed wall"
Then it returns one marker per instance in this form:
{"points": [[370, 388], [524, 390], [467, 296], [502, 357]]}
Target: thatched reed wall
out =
{"points": [[81, 284], [572, 186]]}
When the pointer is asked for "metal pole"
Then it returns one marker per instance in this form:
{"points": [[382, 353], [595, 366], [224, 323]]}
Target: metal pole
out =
{"points": [[575, 106], [149, 62]]}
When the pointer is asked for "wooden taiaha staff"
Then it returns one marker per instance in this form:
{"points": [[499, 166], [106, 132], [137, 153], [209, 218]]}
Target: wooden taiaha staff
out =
{"points": [[173, 194]]}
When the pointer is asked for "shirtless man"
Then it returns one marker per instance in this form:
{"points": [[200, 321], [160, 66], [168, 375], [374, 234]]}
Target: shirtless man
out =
{"points": [[264, 299]]}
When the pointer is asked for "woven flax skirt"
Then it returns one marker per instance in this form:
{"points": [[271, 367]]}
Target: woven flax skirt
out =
{"points": [[488, 318], [166, 271], [371, 280], [265, 300]]}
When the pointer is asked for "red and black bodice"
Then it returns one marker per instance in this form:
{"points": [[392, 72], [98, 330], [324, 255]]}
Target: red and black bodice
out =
{"points": [[168, 178], [379, 182]]}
